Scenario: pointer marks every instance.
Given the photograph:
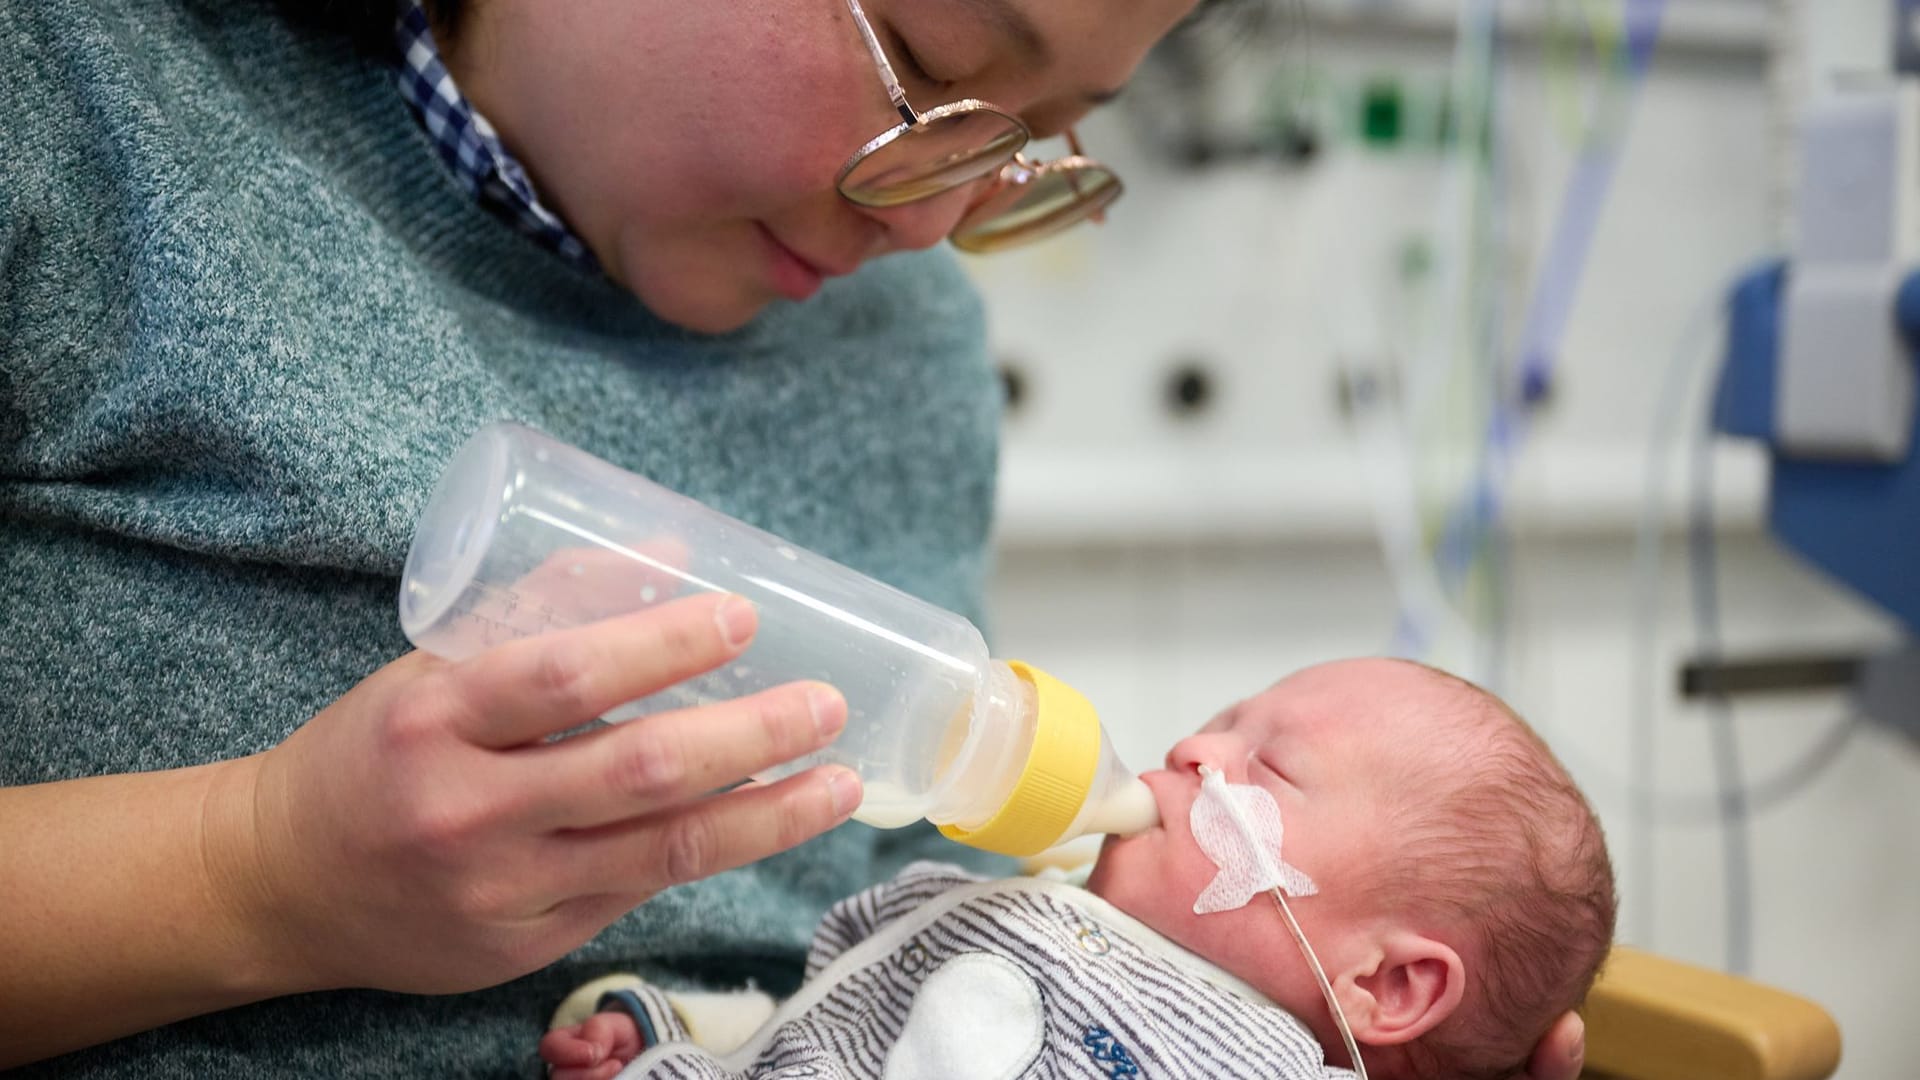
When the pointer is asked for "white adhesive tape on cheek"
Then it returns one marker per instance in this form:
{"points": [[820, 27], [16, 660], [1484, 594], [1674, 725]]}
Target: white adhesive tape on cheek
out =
{"points": [[1238, 827]]}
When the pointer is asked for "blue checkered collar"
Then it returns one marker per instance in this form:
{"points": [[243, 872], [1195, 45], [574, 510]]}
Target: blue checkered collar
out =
{"points": [[468, 144]]}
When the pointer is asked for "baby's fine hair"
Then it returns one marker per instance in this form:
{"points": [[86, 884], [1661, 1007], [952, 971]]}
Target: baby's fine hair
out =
{"points": [[1494, 837]]}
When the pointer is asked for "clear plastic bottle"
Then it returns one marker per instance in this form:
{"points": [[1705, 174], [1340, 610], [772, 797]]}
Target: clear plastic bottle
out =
{"points": [[525, 534]]}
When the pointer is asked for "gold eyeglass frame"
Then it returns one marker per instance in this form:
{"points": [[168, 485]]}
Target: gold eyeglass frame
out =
{"points": [[1015, 173]]}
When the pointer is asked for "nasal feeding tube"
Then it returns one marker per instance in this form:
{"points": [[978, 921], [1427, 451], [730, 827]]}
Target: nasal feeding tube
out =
{"points": [[1238, 827], [525, 535]]}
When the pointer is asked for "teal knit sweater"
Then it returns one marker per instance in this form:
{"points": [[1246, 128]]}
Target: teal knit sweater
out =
{"points": [[245, 318]]}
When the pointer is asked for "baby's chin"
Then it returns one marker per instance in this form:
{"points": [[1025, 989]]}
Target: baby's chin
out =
{"points": [[1128, 863]]}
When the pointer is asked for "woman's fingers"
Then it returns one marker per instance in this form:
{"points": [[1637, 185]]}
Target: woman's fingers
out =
{"points": [[644, 765], [1562, 1052], [600, 583], [528, 689], [583, 584], [720, 832]]}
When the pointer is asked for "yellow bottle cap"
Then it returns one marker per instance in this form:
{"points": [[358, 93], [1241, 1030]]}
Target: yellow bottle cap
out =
{"points": [[1056, 779]]}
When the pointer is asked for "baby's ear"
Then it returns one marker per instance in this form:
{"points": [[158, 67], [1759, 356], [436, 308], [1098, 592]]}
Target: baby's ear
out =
{"points": [[1416, 983]]}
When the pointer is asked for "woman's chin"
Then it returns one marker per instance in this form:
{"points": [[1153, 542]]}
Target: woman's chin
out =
{"points": [[702, 315], [688, 301]]}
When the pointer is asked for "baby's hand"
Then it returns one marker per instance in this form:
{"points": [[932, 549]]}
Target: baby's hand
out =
{"points": [[595, 1049]]}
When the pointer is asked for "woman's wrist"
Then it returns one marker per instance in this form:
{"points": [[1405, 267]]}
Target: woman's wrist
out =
{"points": [[128, 908], [255, 932]]}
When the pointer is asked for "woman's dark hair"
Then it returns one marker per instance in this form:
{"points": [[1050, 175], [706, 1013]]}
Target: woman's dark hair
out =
{"points": [[445, 14]]}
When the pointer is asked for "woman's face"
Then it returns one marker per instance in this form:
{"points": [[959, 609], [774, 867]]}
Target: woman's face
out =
{"points": [[693, 144]]}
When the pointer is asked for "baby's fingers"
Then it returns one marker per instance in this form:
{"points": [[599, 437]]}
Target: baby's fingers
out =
{"points": [[594, 1050], [606, 1070], [567, 1047], [616, 1034]]}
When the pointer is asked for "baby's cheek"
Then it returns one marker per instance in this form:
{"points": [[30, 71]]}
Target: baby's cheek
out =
{"points": [[1150, 878]]}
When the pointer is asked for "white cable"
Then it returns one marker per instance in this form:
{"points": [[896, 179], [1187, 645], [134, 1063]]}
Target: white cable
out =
{"points": [[1326, 988], [1648, 805], [1681, 372], [1722, 733], [1385, 450], [1271, 869]]}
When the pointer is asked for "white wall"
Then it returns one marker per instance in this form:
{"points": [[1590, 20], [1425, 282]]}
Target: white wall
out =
{"points": [[1170, 565]]}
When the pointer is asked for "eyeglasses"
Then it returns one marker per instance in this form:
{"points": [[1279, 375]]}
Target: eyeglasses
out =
{"points": [[966, 142]]}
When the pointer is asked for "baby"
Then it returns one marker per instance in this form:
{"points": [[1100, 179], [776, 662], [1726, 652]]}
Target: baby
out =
{"points": [[1464, 901]]}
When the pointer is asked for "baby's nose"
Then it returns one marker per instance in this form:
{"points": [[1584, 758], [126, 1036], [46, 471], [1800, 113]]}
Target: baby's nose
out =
{"points": [[1222, 750]]}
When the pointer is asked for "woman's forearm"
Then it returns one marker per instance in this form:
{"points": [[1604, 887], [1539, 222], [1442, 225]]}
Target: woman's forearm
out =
{"points": [[421, 834], [121, 909]]}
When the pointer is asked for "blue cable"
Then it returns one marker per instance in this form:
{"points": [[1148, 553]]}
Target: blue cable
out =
{"points": [[1473, 517], [1567, 252]]}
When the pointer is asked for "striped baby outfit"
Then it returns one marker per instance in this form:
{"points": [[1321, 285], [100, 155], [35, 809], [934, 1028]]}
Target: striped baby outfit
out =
{"points": [[937, 975]]}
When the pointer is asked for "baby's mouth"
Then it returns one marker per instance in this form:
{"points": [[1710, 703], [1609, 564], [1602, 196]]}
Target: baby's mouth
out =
{"points": [[1172, 792]]}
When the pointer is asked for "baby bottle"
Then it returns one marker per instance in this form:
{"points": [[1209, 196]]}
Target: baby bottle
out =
{"points": [[525, 534]]}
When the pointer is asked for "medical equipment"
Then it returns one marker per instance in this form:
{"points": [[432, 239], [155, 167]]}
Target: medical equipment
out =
{"points": [[1819, 362], [525, 534], [1819, 365], [1238, 827], [1853, 513]]}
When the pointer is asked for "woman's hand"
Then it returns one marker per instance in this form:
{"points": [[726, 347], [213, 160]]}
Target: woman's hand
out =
{"points": [[1561, 1052], [420, 834], [423, 835]]}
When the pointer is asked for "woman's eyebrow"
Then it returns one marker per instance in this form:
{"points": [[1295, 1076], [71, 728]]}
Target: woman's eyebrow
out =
{"points": [[1033, 50], [1013, 24]]}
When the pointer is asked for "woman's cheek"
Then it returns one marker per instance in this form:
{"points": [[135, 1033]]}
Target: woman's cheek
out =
{"points": [[812, 109]]}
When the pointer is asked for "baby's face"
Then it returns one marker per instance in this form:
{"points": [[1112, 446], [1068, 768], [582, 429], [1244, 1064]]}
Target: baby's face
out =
{"points": [[1322, 742]]}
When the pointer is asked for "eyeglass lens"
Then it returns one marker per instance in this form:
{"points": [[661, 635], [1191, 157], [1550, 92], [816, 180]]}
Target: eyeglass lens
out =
{"points": [[1035, 203], [938, 154]]}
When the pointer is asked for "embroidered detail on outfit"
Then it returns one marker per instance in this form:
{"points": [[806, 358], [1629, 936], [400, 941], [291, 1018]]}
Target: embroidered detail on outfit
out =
{"points": [[469, 145], [913, 958], [1107, 1052]]}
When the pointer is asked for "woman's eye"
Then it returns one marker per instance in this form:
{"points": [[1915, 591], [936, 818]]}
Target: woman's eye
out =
{"points": [[910, 61]]}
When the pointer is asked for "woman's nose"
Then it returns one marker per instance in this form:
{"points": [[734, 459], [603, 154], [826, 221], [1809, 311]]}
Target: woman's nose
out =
{"points": [[921, 224], [1222, 750]]}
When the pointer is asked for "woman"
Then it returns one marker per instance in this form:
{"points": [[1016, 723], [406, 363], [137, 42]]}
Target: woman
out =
{"points": [[255, 289]]}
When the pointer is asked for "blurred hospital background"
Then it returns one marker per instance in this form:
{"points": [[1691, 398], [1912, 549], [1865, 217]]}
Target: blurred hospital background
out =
{"points": [[1407, 338]]}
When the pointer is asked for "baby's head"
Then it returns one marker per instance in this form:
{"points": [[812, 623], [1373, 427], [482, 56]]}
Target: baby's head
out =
{"points": [[1465, 897]]}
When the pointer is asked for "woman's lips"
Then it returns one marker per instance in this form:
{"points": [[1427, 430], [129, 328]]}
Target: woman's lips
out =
{"points": [[795, 276]]}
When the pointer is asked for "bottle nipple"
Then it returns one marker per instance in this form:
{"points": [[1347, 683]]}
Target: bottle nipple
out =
{"points": [[1128, 807], [1070, 784]]}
